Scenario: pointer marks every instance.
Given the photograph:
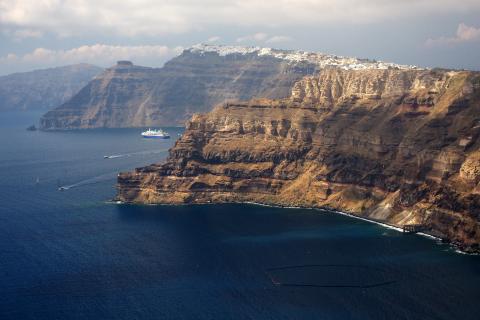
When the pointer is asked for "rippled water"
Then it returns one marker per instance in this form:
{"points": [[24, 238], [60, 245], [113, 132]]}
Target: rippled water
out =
{"points": [[73, 255]]}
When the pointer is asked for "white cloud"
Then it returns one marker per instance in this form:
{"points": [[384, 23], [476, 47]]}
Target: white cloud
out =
{"points": [[261, 37], [98, 54], [22, 34], [158, 17], [244, 38], [464, 34], [257, 37], [278, 39], [213, 39]]}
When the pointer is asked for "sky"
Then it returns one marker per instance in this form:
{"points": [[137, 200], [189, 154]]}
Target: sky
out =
{"points": [[37, 34]]}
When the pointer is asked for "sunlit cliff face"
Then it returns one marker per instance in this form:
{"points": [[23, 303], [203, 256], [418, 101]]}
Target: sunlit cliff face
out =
{"points": [[394, 145]]}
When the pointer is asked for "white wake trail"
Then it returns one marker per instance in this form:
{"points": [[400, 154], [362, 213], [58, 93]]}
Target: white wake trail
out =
{"points": [[110, 175], [97, 179], [114, 156]]}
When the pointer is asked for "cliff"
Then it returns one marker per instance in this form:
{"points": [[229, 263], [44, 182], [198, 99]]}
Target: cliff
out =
{"points": [[399, 146], [43, 89], [202, 76], [127, 95]]}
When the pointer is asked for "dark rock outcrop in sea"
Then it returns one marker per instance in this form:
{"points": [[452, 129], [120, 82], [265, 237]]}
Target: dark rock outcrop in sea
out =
{"points": [[399, 146], [44, 89]]}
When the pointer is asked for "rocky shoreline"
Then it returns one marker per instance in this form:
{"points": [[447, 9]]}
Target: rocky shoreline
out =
{"points": [[456, 246], [395, 146]]}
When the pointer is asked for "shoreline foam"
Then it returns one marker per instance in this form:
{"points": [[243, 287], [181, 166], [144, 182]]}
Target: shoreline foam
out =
{"points": [[455, 248]]}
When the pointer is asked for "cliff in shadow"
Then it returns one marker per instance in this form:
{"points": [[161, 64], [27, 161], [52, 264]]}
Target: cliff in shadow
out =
{"points": [[44, 89]]}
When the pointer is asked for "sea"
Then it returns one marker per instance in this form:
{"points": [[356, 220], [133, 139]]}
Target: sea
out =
{"points": [[75, 254]]}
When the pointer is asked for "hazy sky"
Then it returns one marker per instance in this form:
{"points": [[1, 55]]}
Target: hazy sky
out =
{"points": [[42, 33]]}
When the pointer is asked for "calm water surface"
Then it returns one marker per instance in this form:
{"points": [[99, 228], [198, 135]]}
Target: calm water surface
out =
{"points": [[73, 255]]}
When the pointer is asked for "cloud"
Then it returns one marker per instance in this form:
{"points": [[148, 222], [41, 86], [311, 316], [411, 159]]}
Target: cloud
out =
{"points": [[213, 39], [278, 39], [22, 34], [67, 18], [98, 54], [261, 37], [257, 37], [464, 34]]}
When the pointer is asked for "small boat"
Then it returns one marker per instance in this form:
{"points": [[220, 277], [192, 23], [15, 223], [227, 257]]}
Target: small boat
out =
{"points": [[158, 134], [62, 188]]}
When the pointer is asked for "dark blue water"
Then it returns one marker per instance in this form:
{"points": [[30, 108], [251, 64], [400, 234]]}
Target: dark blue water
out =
{"points": [[73, 255]]}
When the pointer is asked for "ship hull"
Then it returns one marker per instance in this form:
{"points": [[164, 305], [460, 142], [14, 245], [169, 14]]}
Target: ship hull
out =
{"points": [[156, 137]]}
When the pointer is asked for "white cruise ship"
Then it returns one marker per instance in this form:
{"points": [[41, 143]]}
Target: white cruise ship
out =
{"points": [[158, 134]]}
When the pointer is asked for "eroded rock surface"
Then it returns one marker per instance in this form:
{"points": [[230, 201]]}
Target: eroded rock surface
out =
{"points": [[128, 95], [399, 146]]}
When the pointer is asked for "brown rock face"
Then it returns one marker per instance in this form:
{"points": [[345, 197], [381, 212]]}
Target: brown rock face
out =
{"points": [[127, 95], [399, 146]]}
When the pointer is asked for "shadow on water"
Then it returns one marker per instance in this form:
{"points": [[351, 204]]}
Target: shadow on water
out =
{"points": [[330, 276]]}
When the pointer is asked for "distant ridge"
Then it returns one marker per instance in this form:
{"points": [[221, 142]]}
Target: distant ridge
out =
{"points": [[45, 88], [321, 59], [202, 76]]}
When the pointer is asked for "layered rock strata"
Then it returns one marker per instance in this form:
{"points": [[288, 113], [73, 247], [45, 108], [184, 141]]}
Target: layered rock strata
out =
{"points": [[399, 146], [128, 95], [201, 77]]}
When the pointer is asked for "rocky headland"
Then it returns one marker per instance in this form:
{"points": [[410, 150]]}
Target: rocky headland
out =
{"points": [[398, 145], [202, 76]]}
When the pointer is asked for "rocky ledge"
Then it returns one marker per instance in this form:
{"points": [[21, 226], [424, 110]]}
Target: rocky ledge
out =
{"points": [[399, 146]]}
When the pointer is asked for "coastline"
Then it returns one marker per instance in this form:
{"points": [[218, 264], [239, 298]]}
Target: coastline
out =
{"points": [[457, 248]]}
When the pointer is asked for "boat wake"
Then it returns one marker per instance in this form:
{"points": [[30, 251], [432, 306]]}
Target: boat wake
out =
{"points": [[114, 156], [111, 175], [97, 179]]}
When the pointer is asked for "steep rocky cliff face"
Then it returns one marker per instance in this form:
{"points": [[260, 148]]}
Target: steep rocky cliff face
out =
{"points": [[43, 89], [201, 77], [399, 146], [131, 96], [101, 103]]}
